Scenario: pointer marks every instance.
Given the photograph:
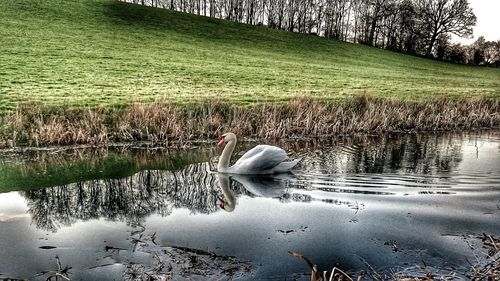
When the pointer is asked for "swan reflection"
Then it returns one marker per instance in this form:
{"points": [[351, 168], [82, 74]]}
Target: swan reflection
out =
{"points": [[228, 203], [270, 186]]}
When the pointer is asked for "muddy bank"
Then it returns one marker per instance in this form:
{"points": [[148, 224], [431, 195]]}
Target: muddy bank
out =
{"points": [[36, 125]]}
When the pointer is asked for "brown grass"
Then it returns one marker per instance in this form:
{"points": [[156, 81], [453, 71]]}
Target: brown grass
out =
{"points": [[162, 123]]}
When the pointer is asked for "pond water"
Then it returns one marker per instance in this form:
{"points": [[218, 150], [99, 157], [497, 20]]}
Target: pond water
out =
{"points": [[407, 204]]}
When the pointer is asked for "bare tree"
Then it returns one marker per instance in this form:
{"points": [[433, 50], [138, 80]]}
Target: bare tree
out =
{"points": [[445, 16]]}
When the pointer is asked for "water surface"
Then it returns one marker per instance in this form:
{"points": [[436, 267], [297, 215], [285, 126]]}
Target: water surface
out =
{"points": [[396, 203]]}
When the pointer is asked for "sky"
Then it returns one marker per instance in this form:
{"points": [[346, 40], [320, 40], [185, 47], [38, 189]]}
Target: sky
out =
{"points": [[488, 21]]}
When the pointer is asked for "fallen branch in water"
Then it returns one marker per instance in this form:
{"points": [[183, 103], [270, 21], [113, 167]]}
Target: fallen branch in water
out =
{"points": [[60, 272], [332, 275], [489, 268], [314, 270], [372, 272], [491, 242]]}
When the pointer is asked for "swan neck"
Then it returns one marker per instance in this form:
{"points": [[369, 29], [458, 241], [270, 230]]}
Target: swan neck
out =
{"points": [[225, 158]]}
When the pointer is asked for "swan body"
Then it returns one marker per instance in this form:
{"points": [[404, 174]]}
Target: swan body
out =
{"points": [[262, 159]]}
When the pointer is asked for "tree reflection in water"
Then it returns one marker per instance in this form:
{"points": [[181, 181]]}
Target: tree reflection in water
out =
{"points": [[420, 154], [130, 199]]}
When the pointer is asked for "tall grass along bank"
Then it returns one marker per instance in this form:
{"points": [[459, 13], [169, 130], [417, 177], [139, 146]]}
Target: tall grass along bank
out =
{"points": [[299, 118]]}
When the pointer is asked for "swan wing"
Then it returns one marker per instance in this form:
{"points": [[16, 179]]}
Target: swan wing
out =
{"points": [[260, 149], [252, 152], [261, 158], [286, 166]]}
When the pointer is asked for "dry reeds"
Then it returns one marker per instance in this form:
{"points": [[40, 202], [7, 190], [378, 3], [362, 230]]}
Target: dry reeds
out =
{"points": [[489, 269], [39, 126]]}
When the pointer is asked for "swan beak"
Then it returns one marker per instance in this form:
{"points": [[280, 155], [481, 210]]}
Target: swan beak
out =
{"points": [[220, 203], [221, 141]]}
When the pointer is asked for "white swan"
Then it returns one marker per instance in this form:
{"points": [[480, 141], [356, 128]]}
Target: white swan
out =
{"points": [[262, 159]]}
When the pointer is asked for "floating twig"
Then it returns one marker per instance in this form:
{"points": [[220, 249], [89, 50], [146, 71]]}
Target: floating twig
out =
{"points": [[493, 242], [314, 268], [60, 272], [339, 270]]}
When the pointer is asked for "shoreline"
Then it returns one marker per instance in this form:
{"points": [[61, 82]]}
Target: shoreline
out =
{"points": [[304, 118], [198, 143]]}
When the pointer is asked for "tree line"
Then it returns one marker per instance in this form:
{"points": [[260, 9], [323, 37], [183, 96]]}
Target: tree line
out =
{"points": [[419, 27]]}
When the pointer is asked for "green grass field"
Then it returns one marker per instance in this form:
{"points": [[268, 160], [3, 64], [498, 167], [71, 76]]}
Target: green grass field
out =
{"points": [[108, 53]]}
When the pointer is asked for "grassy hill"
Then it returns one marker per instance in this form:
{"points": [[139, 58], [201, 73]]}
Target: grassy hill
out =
{"points": [[109, 53]]}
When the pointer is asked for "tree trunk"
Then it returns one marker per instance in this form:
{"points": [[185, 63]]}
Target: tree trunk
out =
{"points": [[372, 30], [431, 44], [318, 31]]}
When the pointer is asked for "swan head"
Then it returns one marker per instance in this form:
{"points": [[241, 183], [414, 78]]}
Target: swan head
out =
{"points": [[225, 138], [228, 207]]}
